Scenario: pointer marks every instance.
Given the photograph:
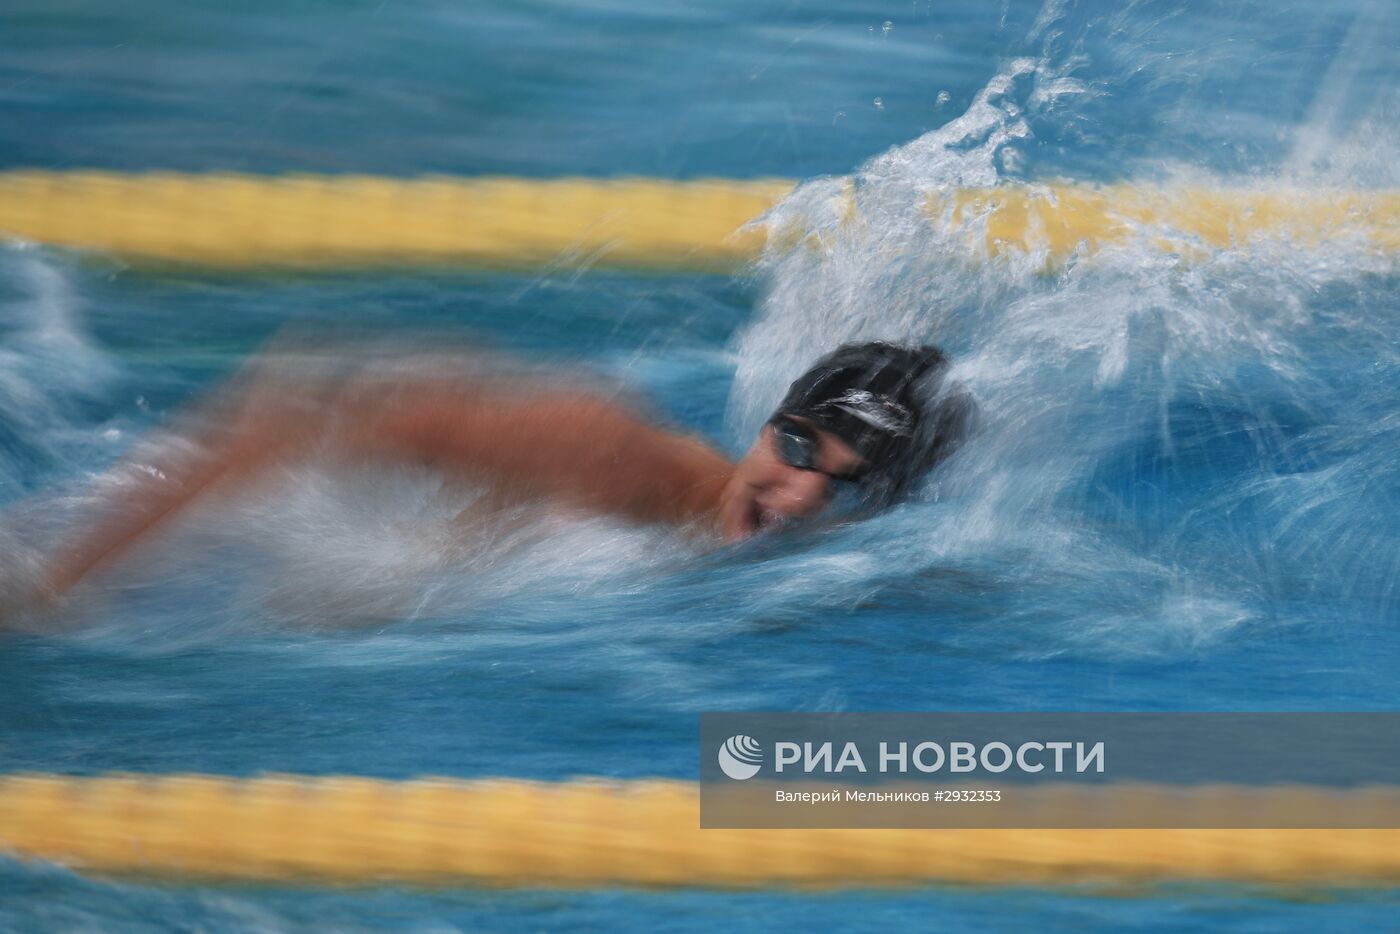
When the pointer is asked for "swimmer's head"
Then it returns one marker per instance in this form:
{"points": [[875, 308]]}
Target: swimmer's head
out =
{"points": [[875, 415]]}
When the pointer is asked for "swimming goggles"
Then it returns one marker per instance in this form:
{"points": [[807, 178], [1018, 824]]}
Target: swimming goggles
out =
{"points": [[798, 446]]}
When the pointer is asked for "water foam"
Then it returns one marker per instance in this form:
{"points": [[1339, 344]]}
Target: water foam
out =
{"points": [[1134, 400], [48, 364]]}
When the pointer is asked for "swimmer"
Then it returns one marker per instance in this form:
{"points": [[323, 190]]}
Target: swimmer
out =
{"points": [[876, 416]]}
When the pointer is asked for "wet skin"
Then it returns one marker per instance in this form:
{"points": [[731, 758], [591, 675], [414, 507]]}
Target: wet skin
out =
{"points": [[763, 491]]}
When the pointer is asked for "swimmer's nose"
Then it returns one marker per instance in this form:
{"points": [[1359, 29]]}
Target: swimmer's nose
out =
{"points": [[801, 493]]}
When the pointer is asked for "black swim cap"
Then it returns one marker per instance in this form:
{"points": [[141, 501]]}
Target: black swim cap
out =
{"points": [[888, 403]]}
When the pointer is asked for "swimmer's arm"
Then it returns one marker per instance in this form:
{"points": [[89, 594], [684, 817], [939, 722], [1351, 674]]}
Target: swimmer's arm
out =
{"points": [[156, 491], [576, 449]]}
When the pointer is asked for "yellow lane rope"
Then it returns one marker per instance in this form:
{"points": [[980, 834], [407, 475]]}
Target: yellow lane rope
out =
{"points": [[302, 220], [1184, 220], [495, 222], [637, 833]]}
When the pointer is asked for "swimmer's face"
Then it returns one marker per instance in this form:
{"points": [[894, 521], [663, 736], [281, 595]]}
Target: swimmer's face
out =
{"points": [[766, 490]]}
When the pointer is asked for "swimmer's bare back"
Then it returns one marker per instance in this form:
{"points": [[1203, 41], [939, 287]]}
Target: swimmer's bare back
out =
{"points": [[567, 447]]}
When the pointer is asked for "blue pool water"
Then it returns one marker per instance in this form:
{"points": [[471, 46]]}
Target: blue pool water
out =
{"points": [[1184, 494]]}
